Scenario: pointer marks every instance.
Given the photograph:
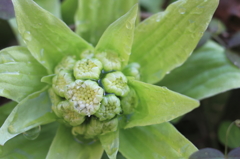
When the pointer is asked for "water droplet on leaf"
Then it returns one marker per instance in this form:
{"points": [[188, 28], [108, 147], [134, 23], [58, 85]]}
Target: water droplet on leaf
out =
{"points": [[27, 36], [198, 10], [129, 25], [33, 133], [83, 141], [191, 26], [182, 10]]}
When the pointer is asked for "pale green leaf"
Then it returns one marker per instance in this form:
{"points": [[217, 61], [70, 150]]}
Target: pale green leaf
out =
{"points": [[64, 146], [158, 104], [155, 142], [110, 143], [22, 148], [233, 135], [94, 16], [117, 39], [165, 40], [68, 9], [33, 111], [4, 111], [53, 6], [47, 37], [206, 73], [20, 73]]}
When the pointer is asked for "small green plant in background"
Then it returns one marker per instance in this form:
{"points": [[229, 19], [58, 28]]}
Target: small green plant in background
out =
{"points": [[99, 95]]}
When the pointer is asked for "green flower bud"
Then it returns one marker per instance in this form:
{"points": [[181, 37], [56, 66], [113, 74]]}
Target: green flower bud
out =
{"points": [[132, 70], [55, 99], [87, 69], [95, 127], [79, 130], [109, 108], [116, 83], [130, 102], [65, 109], [62, 79], [67, 63], [85, 96], [110, 61]]}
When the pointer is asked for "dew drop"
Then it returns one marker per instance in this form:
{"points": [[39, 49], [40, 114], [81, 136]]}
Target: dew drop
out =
{"points": [[159, 17], [129, 25], [198, 10], [42, 56], [83, 141], [1, 91], [42, 52], [191, 26], [27, 36], [182, 10], [33, 133]]}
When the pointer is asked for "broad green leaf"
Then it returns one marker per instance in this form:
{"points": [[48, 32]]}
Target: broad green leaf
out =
{"points": [[206, 73], [33, 111], [158, 104], [155, 142], [68, 9], [94, 16], [22, 148], [53, 6], [47, 37], [4, 111], [20, 73], [165, 40], [207, 153], [110, 143], [64, 146], [233, 136], [117, 40]]}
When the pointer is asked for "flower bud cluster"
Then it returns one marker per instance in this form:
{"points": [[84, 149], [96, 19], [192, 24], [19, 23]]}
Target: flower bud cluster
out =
{"points": [[89, 96]]}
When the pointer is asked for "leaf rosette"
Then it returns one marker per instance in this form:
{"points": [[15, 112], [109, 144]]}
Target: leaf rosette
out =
{"points": [[98, 92]]}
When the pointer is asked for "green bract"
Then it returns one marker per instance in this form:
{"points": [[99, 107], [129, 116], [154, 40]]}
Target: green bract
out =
{"points": [[95, 93]]}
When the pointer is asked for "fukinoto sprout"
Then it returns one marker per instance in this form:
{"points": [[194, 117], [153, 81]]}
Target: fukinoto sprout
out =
{"points": [[88, 97]]}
